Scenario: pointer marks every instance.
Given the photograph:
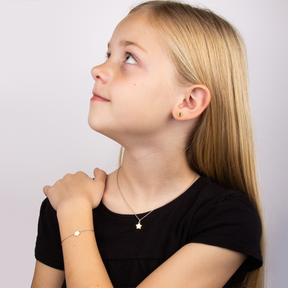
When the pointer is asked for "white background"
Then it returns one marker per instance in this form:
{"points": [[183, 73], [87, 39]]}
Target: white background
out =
{"points": [[47, 49]]}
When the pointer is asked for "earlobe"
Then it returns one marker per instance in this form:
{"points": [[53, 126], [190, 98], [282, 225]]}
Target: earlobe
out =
{"points": [[192, 103]]}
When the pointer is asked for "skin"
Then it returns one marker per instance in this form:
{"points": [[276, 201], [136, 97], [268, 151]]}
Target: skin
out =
{"points": [[139, 111]]}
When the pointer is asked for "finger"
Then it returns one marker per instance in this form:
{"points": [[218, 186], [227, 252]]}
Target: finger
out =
{"points": [[99, 174], [45, 189]]}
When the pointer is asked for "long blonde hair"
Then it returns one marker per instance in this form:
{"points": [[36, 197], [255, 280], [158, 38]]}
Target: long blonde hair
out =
{"points": [[208, 50]]}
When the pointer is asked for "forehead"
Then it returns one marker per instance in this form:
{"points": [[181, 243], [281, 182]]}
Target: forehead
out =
{"points": [[135, 28]]}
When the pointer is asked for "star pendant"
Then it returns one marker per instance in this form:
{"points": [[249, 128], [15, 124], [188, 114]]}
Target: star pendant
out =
{"points": [[138, 226]]}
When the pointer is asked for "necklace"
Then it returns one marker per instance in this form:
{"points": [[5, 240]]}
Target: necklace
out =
{"points": [[139, 225]]}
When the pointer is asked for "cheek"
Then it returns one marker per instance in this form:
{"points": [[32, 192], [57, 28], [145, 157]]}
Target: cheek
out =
{"points": [[139, 95], [125, 88]]}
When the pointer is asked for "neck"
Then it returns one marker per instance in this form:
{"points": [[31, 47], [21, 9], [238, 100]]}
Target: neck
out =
{"points": [[150, 179]]}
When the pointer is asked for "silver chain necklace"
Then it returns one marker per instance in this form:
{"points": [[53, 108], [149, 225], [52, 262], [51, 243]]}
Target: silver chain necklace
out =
{"points": [[138, 225]]}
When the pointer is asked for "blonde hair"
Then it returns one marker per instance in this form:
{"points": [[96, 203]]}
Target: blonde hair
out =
{"points": [[208, 50]]}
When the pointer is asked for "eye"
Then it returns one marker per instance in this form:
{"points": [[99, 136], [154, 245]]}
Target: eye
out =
{"points": [[130, 59], [108, 55]]}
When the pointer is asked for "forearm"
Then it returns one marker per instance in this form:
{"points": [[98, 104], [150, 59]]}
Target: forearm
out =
{"points": [[83, 264]]}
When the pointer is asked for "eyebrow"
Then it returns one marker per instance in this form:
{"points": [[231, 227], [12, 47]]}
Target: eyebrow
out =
{"points": [[125, 43]]}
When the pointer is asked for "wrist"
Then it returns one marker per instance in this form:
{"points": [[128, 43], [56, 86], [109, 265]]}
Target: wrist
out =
{"points": [[69, 223], [73, 206], [75, 215]]}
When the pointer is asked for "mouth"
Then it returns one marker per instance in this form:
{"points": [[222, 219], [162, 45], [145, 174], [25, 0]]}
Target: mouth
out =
{"points": [[99, 98]]}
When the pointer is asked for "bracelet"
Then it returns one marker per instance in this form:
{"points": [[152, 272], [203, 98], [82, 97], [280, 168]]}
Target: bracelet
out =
{"points": [[76, 233]]}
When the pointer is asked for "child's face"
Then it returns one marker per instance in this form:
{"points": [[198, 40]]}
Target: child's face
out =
{"points": [[137, 83]]}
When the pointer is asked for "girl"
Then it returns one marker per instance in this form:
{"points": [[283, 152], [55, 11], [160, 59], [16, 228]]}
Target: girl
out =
{"points": [[183, 208]]}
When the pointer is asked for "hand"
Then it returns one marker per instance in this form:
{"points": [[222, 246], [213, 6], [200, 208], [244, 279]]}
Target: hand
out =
{"points": [[75, 189]]}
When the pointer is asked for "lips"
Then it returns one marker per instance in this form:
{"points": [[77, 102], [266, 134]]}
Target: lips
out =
{"points": [[96, 97]]}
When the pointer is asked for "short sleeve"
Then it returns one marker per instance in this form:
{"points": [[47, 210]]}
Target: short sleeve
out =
{"points": [[48, 249], [231, 222]]}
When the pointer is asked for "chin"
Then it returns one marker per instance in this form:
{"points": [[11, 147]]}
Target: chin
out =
{"points": [[99, 127], [95, 125]]}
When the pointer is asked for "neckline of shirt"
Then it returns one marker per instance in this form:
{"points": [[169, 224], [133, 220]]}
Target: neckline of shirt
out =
{"points": [[158, 210]]}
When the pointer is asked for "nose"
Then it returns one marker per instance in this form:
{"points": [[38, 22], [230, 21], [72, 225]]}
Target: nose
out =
{"points": [[100, 73]]}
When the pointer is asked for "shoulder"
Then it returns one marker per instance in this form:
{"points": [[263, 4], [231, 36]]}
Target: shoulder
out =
{"points": [[217, 199], [48, 248], [47, 215], [48, 226], [228, 219]]}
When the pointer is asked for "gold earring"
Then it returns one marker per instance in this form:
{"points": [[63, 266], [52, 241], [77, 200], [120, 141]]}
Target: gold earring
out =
{"points": [[180, 114]]}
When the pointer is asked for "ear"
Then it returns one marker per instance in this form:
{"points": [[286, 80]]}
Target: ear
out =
{"points": [[192, 103]]}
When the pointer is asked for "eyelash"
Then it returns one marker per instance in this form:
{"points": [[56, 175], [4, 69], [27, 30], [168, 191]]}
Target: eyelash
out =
{"points": [[126, 57]]}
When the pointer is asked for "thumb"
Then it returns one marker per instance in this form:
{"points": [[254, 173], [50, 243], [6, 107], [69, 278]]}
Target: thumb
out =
{"points": [[99, 174]]}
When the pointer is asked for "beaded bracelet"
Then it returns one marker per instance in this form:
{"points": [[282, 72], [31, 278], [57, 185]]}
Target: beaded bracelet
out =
{"points": [[76, 233]]}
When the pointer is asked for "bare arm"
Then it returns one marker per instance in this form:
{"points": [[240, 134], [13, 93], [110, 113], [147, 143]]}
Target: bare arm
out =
{"points": [[73, 198], [83, 263], [196, 266], [47, 277]]}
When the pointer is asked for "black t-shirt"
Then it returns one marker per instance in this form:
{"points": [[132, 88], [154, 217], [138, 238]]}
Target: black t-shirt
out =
{"points": [[205, 213]]}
